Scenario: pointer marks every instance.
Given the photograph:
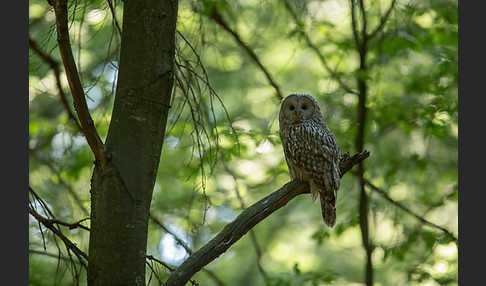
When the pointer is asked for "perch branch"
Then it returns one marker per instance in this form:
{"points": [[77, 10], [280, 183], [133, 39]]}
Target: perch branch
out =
{"points": [[251, 216], [86, 122], [216, 17]]}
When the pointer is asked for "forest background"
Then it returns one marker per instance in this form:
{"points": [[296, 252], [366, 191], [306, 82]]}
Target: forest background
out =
{"points": [[222, 151]]}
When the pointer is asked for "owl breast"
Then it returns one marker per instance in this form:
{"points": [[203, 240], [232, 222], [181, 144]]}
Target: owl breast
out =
{"points": [[310, 149]]}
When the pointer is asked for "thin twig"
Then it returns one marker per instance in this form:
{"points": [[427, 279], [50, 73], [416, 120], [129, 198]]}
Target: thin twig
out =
{"points": [[216, 17], [334, 74], [62, 182], [68, 243], [170, 268], [113, 15], [181, 242], [354, 25], [409, 211], [55, 68], [383, 20], [253, 237], [57, 256]]}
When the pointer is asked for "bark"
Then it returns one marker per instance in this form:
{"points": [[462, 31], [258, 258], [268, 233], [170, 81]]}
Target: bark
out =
{"points": [[121, 191]]}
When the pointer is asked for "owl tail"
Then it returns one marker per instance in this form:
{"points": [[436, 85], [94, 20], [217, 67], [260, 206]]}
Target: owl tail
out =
{"points": [[328, 207]]}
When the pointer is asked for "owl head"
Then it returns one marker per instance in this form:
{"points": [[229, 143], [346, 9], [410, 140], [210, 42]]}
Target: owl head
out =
{"points": [[298, 108]]}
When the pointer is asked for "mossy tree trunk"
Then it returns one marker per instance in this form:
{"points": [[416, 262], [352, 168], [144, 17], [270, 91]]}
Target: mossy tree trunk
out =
{"points": [[121, 192]]}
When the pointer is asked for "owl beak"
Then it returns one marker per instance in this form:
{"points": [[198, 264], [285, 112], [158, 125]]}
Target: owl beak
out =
{"points": [[299, 114]]}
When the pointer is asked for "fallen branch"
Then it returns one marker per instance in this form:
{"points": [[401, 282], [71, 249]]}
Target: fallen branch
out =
{"points": [[246, 221]]}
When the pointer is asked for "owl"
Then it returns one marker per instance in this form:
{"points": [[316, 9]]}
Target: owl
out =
{"points": [[311, 150]]}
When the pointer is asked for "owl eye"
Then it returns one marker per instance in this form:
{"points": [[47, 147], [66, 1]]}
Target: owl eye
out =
{"points": [[292, 107], [304, 106]]}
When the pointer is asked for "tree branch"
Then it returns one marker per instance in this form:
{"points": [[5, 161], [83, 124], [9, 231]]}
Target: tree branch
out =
{"points": [[170, 268], [251, 216], [58, 256], [315, 49], [409, 211], [62, 182], [48, 223], [112, 10], [362, 49], [216, 17], [55, 68], [86, 122], [354, 25], [383, 21]]}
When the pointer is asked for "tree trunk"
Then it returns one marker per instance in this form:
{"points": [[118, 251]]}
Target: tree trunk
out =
{"points": [[122, 191]]}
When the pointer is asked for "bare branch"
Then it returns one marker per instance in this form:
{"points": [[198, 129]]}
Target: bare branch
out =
{"points": [[361, 110], [233, 231], [354, 25], [113, 15], [55, 67], [62, 182], [216, 17], [86, 122], [409, 211], [170, 268], [48, 254], [48, 223], [364, 20], [334, 74], [383, 21], [178, 239]]}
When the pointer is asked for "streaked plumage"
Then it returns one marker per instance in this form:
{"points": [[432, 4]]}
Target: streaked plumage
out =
{"points": [[311, 150]]}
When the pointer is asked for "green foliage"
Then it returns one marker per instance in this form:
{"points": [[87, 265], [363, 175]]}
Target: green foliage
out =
{"points": [[411, 133]]}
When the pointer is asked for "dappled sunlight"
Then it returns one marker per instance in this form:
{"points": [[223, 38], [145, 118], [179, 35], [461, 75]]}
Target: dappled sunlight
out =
{"points": [[294, 247], [222, 150], [170, 250]]}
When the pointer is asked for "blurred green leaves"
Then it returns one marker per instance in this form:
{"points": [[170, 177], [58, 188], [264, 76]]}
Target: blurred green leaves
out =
{"points": [[412, 137]]}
